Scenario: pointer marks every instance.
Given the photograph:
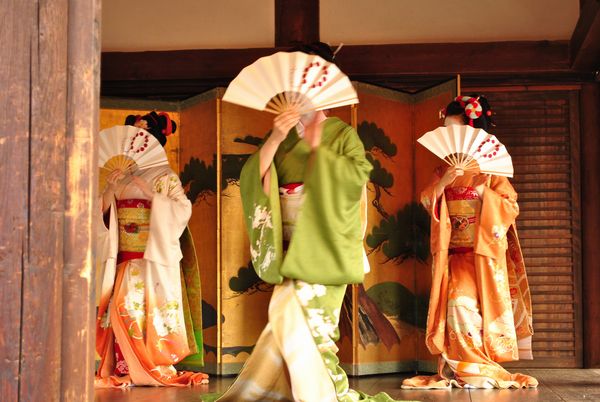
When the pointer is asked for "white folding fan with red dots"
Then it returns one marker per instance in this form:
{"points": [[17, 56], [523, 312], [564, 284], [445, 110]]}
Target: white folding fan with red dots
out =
{"points": [[291, 80], [469, 148], [130, 149]]}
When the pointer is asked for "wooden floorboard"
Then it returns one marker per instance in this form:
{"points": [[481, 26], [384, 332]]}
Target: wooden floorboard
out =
{"points": [[572, 385], [555, 386]]}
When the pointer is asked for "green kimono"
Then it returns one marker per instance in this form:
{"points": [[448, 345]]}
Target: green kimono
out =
{"points": [[295, 355], [329, 223]]}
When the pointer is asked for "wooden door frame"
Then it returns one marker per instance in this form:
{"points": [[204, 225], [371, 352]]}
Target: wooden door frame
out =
{"points": [[590, 219]]}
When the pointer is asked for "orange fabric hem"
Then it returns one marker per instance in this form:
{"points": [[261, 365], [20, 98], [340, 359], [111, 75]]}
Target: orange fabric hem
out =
{"points": [[141, 369]]}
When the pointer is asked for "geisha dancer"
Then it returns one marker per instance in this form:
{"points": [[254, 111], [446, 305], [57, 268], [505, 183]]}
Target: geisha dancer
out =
{"points": [[301, 195], [480, 305], [141, 322]]}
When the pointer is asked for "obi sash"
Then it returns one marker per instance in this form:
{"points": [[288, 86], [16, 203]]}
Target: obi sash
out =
{"points": [[134, 227], [290, 200], [464, 206]]}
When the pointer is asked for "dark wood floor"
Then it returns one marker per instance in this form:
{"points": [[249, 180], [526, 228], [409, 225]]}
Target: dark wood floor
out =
{"points": [[555, 386]]}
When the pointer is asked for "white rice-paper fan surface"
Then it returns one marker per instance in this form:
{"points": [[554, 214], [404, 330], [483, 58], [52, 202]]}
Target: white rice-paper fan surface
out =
{"points": [[470, 149], [288, 80], [130, 149]]}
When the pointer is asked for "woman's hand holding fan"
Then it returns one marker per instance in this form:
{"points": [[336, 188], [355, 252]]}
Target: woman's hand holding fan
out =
{"points": [[114, 178], [479, 182], [283, 123], [124, 150], [449, 176]]}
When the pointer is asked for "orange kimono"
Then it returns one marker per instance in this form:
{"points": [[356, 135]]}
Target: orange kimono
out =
{"points": [[480, 305], [140, 327]]}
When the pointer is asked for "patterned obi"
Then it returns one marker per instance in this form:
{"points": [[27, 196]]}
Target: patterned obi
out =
{"points": [[290, 199], [134, 226], [464, 206]]}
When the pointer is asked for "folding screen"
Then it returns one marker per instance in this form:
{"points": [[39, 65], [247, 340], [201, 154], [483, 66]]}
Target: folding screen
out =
{"points": [[382, 325]]}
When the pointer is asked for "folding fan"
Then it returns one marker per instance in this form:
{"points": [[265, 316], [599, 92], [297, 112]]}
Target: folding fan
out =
{"points": [[469, 148], [293, 80], [130, 149]]}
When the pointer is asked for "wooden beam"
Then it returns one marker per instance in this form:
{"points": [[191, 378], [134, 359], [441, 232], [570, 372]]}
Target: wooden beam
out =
{"points": [[296, 21], [585, 42], [590, 194], [182, 74], [452, 58], [178, 64], [357, 61], [183, 89]]}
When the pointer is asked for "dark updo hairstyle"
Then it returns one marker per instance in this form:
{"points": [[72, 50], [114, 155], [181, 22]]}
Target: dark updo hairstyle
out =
{"points": [[458, 108], [317, 48], [159, 125]]}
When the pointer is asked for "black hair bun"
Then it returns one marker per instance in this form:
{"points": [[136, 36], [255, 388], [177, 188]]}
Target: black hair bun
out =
{"points": [[159, 125], [320, 49]]}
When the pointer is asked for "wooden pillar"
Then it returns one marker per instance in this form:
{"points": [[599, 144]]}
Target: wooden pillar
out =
{"points": [[14, 184], [41, 288], [83, 102], [585, 41], [296, 21], [590, 211], [48, 121]]}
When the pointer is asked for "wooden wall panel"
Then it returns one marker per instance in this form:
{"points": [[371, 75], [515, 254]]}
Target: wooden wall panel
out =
{"points": [[541, 132], [245, 307], [198, 139]]}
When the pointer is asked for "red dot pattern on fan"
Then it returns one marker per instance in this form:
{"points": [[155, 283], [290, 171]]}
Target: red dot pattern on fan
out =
{"points": [[142, 148], [321, 81], [495, 149]]}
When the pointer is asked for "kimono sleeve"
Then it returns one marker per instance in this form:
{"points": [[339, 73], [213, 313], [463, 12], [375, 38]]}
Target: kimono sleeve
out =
{"points": [[438, 210], [329, 223], [262, 216], [499, 209], [428, 199], [171, 211]]}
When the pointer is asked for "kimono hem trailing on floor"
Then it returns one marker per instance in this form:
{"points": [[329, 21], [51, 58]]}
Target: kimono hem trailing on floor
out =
{"points": [[314, 208], [480, 305], [149, 308]]}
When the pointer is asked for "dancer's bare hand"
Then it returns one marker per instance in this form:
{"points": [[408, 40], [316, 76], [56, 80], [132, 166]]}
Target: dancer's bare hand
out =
{"points": [[451, 174], [479, 182], [313, 131], [113, 180], [283, 123], [115, 177]]}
